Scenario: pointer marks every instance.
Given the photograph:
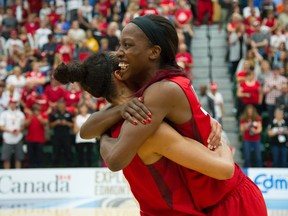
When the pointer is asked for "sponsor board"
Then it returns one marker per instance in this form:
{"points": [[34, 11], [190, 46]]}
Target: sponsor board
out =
{"points": [[62, 183], [273, 182]]}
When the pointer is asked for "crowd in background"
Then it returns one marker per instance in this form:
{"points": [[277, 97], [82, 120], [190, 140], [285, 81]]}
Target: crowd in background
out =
{"points": [[36, 36]]}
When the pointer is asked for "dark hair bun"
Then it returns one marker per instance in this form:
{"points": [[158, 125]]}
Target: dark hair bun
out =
{"points": [[72, 72]]}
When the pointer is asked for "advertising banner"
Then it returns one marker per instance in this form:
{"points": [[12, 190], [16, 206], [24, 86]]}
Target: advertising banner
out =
{"points": [[273, 182], [62, 183]]}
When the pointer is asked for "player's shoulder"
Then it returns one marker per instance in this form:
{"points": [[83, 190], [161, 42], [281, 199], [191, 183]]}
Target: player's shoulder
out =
{"points": [[163, 86]]}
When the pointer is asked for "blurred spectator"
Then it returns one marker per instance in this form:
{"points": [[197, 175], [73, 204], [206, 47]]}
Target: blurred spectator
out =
{"points": [[277, 131], [184, 59], [14, 45], [76, 34], [104, 44], [83, 51], [89, 101], [17, 79], [66, 49], [249, 92], [49, 49], [218, 102], [207, 103], [61, 122], [204, 7], [92, 43], [9, 23], [20, 11], [61, 26], [35, 6], [254, 59], [12, 126], [266, 6], [265, 72], [150, 8], [282, 101], [41, 34], [249, 9], [259, 40], [54, 92], [72, 96], [102, 7], [32, 23], [270, 22], [277, 38], [83, 145], [3, 101], [44, 11], [35, 122], [53, 16], [283, 17], [272, 89], [225, 12], [250, 128], [11, 93], [113, 34], [72, 9], [279, 55], [133, 11], [23, 60], [35, 77], [86, 11], [3, 66], [237, 49]]}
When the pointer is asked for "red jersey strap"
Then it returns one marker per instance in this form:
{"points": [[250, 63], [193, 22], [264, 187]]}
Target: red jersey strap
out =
{"points": [[200, 121]]}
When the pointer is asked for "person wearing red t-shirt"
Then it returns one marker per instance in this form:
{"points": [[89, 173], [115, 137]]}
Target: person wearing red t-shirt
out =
{"points": [[250, 92], [35, 6], [36, 78], [35, 97], [251, 128], [184, 59], [53, 17], [103, 7], [54, 93], [149, 9], [204, 7], [72, 97], [32, 23], [65, 49], [35, 122], [183, 14]]}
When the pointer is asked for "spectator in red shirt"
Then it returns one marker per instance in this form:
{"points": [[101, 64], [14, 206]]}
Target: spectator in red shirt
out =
{"points": [[32, 23], [102, 7], [184, 59], [54, 93], [35, 123], [35, 6], [71, 97], [35, 78], [53, 16], [65, 49], [149, 9]]}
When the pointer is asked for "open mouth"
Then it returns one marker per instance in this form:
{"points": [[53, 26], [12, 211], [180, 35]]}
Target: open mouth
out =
{"points": [[123, 66]]}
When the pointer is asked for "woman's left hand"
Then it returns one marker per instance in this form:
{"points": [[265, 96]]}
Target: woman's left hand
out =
{"points": [[214, 138]]}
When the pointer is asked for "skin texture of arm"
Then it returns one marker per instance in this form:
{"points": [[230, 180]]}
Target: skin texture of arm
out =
{"points": [[99, 122], [119, 152], [189, 153]]}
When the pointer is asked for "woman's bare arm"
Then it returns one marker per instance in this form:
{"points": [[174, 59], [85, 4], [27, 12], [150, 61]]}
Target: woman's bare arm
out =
{"points": [[99, 122], [189, 153]]}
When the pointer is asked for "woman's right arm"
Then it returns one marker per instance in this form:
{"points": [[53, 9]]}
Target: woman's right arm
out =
{"points": [[99, 122], [191, 154]]}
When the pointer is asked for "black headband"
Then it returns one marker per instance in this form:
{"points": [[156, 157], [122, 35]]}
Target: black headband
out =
{"points": [[153, 32]]}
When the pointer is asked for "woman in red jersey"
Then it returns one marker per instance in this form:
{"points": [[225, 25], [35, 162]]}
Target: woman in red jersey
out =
{"points": [[148, 66], [156, 161]]}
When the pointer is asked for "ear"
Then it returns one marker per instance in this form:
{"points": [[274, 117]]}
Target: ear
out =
{"points": [[118, 75], [155, 52]]}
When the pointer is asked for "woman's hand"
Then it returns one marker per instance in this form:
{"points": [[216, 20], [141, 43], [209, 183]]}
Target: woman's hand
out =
{"points": [[135, 111], [214, 138]]}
